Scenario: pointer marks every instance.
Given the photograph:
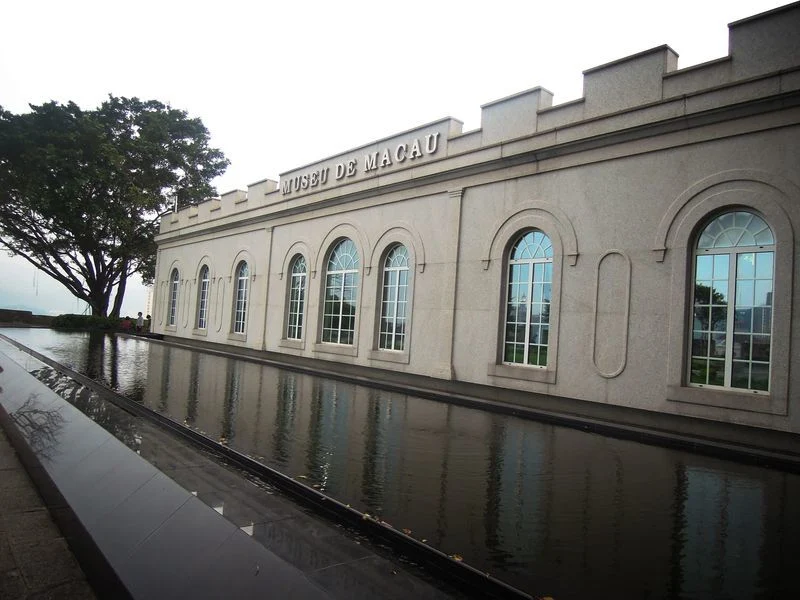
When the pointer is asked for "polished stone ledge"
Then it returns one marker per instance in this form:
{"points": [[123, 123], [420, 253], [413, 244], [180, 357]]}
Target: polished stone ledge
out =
{"points": [[136, 532]]}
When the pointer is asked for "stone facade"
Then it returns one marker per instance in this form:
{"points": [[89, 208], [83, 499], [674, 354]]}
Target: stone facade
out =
{"points": [[622, 182]]}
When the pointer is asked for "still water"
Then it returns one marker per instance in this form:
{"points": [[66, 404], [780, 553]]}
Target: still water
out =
{"points": [[551, 510]]}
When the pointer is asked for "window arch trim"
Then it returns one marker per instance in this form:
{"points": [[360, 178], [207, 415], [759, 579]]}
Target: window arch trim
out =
{"points": [[498, 247], [771, 204]]}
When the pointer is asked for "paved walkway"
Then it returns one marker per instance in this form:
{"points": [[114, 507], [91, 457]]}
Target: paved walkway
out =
{"points": [[35, 560]]}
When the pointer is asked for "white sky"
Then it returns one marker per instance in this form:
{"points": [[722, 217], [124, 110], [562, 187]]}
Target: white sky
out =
{"points": [[280, 85]]}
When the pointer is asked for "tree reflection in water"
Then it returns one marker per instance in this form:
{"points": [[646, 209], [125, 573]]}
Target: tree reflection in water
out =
{"points": [[117, 422], [40, 427]]}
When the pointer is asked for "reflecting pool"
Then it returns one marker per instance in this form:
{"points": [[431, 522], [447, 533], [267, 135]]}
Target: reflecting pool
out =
{"points": [[551, 510]]}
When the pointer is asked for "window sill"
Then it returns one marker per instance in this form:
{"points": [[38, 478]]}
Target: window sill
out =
{"points": [[523, 373], [293, 344], [392, 356], [237, 337], [338, 349], [748, 401], [200, 332], [170, 328]]}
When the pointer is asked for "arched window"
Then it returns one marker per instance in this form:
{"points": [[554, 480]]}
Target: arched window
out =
{"points": [[341, 291], [732, 314], [530, 277], [394, 302], [202, 298], [297, 298], [174, 280], [240, 300]]}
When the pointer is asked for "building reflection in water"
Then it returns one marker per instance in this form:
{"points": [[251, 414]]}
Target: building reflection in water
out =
{"points": [[285, 413], [552, 510]]}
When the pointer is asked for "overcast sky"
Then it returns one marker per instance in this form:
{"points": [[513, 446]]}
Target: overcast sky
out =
{"points": [[280, 85]]}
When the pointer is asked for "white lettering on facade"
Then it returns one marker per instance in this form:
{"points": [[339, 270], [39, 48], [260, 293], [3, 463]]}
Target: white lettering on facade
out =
{"points": [[386, 159], [431, 141], [370, 162], [412, 150], [415, 151]]}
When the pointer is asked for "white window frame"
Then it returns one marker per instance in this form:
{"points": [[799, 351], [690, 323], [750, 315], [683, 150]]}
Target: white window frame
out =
{"points": [[347, 272], [393, 285], [174, 283], [203, 289], [714, 248], [240, 298], [531, 286], [298, 280]]}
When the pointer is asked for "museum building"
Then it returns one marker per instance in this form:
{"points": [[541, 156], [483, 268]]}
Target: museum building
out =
{"points": [[635, 248]]}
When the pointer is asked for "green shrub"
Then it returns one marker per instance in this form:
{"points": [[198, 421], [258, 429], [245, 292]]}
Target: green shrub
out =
{"points": [[85, 322]]}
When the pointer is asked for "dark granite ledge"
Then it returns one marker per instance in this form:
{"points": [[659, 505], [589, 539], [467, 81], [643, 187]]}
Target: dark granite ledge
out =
{"points": [[153, 539]]}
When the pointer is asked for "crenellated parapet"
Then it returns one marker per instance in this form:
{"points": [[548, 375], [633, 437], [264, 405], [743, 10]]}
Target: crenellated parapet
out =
{"points": [[645, 89]]}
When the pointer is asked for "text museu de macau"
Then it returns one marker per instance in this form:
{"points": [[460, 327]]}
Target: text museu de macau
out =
{"points": [[369, 163]]}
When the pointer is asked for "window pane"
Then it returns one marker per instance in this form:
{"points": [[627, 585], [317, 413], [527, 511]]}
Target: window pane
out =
{"points": [[744, 293], [699, 371], [764, 265], [741, 347], [740, 374], [764, 238], [721, 266], [746, 266], [759, 377], [762, 319], [700, 343], [763, 293], [703, 270], [702, 292], [717, 348], [533, 355], [761, 348], [743, 321], [716, 372], [702, 318], [719, 318]]}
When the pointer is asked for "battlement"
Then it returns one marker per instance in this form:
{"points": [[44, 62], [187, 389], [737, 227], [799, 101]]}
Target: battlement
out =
{"points": [[645, 88]]}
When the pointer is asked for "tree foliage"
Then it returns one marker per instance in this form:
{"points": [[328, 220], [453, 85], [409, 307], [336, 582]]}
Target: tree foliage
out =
{"points": [[81, 191]]}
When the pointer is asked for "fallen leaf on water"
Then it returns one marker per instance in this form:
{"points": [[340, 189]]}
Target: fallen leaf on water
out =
{"points": [[457, 557], [407, 531]]}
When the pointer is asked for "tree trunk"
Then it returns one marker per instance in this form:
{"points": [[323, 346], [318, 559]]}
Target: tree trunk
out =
{"points": [[123, 282], [98, 303]]}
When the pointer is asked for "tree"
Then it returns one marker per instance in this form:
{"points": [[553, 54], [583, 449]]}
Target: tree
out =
{"points": [[81, 192]]}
